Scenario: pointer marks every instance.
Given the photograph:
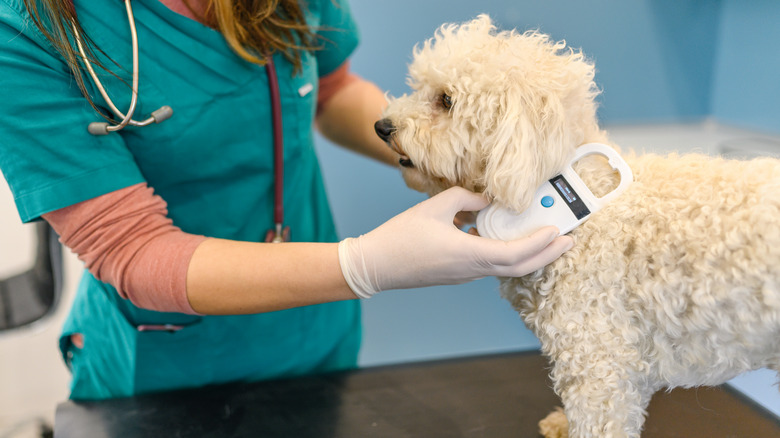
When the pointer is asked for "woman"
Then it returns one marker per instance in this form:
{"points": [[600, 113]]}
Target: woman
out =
{"points": [[169, 218]]}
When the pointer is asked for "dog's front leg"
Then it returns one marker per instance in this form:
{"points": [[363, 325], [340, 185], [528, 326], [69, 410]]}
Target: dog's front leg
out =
{"points": [[600, 400]]}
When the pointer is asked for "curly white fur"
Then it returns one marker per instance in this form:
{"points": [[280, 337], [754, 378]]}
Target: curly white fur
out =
{"points": [[673, 284]]}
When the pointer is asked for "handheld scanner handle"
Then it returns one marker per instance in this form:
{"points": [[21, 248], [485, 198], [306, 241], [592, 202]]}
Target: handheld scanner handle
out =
{"points": [[617, 163]]}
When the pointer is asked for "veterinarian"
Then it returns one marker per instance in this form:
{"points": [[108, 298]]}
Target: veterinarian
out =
{"points": [[168, 195]]}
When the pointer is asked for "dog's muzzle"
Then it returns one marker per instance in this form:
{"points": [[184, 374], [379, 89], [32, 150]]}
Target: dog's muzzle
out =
{"points": [[385, 130]]}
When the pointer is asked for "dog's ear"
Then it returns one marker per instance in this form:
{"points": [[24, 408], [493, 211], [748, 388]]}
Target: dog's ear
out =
{"points": [[544, 110], [528, 146]]}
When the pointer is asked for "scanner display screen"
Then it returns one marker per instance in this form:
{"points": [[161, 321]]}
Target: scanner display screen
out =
{"points": [[571, 197]]}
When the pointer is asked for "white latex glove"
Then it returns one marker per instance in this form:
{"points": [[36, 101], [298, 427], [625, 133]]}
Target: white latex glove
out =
{"points": [[422, 247]]}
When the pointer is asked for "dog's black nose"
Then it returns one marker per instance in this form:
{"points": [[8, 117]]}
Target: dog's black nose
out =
{"points": [[384, 129]]}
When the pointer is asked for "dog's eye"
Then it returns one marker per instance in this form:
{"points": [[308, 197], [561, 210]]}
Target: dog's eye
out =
{"points": [[445, 101]]}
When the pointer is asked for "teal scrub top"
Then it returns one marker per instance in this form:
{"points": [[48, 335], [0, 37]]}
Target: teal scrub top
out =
{"points": [[212, 162]]}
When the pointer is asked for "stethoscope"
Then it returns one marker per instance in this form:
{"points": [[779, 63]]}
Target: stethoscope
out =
{"points": [[279, 233], [104, 128]]}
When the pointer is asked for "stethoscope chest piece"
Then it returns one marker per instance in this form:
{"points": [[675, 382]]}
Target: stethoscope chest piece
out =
{"points": [[278, 235]]}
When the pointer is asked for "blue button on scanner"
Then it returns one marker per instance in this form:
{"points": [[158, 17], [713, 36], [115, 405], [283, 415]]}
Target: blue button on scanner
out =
{"points": [[548, 201]]}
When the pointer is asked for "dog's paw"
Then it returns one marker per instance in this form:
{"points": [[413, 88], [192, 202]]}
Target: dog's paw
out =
{"points": [[555, 425]]}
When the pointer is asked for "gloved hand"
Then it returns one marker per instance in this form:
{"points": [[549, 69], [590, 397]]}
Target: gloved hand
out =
{"points": [[422, 247]]}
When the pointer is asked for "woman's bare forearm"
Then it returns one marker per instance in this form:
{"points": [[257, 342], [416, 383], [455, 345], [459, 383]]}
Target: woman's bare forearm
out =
{"points": [[348, 119], [229, 277]]}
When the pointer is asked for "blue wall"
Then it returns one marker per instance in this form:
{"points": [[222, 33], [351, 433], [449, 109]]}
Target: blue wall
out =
{"points": [[747, 84], [654, 57]]}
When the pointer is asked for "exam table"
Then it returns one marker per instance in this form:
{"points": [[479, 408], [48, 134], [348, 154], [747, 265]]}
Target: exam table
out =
{"points": [[488, 396]]}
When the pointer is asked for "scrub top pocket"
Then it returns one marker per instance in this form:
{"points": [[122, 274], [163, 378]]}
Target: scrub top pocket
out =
{"points": [[171, 359]]}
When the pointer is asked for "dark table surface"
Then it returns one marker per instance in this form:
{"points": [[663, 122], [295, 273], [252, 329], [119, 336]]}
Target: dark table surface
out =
{"points": [[491, 396]]}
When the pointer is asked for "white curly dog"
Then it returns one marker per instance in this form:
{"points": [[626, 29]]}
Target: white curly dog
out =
{"points": [[676, 283]]}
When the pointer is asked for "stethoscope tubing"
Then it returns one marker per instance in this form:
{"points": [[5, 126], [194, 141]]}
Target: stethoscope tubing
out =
{"points": [[276, 116], [103, 128]]}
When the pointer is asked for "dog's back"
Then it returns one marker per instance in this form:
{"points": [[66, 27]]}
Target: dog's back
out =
{"points": [[682, 272]]}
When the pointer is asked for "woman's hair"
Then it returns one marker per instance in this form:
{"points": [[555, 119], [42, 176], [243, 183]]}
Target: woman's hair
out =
{"points": [[253, 28], [257, 27]]}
